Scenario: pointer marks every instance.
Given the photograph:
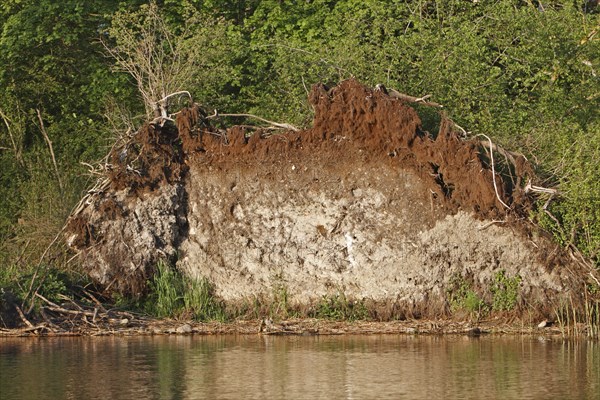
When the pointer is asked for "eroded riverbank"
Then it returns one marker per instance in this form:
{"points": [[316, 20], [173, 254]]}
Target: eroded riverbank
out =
{"points": [[364, 206]]}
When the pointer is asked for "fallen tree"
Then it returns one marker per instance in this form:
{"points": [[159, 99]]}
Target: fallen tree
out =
{"points": [[364, 204]]}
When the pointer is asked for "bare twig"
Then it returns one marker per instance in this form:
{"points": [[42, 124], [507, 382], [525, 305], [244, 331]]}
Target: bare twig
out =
{"points": [[48, 320], [464, 132], [493, 170], [492, 222], [594, 278], [165, 99], [162, 106], [95, 300], [277, 124], [49, 143], [552, 192], [411, 99], [16, 149], [55, 307], [531, 188], [28, 329], [35, 274], [151, 52], [508, 154], [66, 298], [96, 171], [304, 85]]}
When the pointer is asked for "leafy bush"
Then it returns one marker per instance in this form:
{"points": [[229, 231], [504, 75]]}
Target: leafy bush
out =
{"points": [[505, 292], [461, 296]]}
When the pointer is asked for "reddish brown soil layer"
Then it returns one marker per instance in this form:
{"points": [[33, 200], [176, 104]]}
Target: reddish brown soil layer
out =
{"points": [[353, 123], [155, 157], [356, 124]]}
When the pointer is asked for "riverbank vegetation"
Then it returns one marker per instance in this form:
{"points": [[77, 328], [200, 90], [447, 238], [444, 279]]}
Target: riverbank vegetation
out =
{"points": [[77, 75]]}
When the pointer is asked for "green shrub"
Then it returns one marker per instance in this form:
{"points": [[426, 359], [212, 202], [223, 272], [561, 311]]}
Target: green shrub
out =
{"points": [[505, 291], [462, 297]]}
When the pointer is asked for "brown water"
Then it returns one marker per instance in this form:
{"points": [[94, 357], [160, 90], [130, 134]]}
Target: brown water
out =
{"points": [[267, 367]]}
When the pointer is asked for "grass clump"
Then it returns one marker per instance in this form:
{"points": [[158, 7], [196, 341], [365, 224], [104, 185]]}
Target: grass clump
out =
{"points": [[574, 320], [463, 297], [175, 295], [281, 307], [338, 307]]}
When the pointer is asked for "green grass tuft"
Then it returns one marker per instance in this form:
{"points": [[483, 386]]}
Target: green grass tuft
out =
{"points": [[174, 295], [338, 307]]}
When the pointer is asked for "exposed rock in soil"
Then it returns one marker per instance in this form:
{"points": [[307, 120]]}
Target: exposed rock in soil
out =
{"points": [[364, 203]]}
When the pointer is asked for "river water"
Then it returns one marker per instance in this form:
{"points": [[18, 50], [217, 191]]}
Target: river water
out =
{"points": [[299, 367]]}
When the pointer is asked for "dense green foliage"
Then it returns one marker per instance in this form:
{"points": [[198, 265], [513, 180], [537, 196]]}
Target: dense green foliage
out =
{"points": [[525, 73]]}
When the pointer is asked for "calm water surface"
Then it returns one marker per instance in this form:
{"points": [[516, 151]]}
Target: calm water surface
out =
{"points": [[268, 367]]}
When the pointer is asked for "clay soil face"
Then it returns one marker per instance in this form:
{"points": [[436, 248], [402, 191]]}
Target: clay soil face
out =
{"points": [[365, 203]]}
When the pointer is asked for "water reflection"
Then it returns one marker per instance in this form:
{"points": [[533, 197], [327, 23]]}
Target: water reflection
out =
{"points": [[267, 367]]}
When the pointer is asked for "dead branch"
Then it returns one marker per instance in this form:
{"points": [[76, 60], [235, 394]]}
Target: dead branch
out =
{"points": [[545, 208], [100, 186], [95, 300], [95, 171], [49, 143], [162, 106], [492, 222], [15, 148], [38, 267], [22, 316], [48, 320], [464, 132], [594, 278], [537, 189], [18, 332], [552, 192], [66, 298], [275, 124], [56, 308], [511, 155], [410, 99]]}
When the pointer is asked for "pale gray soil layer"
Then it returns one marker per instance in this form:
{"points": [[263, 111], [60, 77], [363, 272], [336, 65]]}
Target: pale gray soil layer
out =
{"points": [[370, 232]]}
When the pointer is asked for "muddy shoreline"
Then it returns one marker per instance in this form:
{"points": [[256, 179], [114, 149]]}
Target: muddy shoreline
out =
{"points": [[141, 326]]}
